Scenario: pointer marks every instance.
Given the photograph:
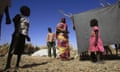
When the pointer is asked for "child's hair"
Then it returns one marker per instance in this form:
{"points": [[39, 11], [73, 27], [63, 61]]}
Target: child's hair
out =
{"points": [[93, 22], [25, 10], [49, 29]]}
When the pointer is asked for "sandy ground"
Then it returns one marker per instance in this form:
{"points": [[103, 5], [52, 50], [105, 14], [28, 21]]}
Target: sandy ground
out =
{"points": [[45, 64]]}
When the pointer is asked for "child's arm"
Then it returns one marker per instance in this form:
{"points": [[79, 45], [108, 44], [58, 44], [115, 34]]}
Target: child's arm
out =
{"points": [[61, 29], [96, 39], [28, 38], [47, 37], [54, 36]]}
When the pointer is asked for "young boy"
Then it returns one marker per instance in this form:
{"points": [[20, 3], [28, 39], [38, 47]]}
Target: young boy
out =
{"points": [[20, 34], [51, 42]]}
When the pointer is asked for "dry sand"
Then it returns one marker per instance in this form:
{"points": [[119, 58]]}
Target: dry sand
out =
{"points": [[45, 64]]}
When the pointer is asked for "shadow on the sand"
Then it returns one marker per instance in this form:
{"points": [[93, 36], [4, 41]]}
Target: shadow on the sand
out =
{"points": [[24, 66], [34, 64], [105, 57], [111, 57]]}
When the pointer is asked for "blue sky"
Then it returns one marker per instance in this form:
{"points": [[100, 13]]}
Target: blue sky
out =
{"points": [[44, 14]]}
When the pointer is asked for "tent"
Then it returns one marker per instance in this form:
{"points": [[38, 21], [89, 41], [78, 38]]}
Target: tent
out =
{"points": [[43, 52], [109, 22]]}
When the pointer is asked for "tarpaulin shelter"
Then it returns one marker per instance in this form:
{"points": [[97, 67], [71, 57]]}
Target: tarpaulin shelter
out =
{"points": [[109, 22]]}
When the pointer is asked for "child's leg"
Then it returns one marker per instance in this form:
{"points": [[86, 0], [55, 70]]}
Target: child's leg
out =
{"points": [[18, 60], [49, 49], [9, 57], [93, 57], [54, 50], [98, 56], [8, 61], [101, 56]]}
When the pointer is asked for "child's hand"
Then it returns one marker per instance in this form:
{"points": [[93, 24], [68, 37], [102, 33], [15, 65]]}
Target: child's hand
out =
{"points": [[28, 39]]}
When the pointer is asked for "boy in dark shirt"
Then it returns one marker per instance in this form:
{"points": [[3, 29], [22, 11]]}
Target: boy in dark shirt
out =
{"points": [[20, 34]]}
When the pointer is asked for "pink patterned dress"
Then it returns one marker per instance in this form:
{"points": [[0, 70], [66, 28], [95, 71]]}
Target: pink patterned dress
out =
{"points": [[92, 47], [63, 41]]}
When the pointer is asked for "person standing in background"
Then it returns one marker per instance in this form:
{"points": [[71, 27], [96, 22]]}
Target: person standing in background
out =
{"points": [[63, 39], [51, 37]]}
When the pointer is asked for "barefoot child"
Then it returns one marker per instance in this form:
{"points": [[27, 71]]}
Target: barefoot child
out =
{"points": [[95, 42]]}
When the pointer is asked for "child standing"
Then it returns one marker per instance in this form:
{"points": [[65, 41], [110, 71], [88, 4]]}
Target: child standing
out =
{"points": [[20, 34], [51, 42], [95, 43]]}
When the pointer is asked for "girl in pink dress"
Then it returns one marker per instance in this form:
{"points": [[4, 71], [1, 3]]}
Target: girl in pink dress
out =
{"points": [[95, 42]]}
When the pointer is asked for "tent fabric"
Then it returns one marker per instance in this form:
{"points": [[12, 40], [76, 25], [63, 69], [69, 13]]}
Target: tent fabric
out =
{"points": [[109, 23]]}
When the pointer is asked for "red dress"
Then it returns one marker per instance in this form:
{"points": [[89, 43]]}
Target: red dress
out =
{"points": [[62, 41], [92, 47]]}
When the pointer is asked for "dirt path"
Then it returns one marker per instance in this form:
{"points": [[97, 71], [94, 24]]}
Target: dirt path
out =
{"points": [[44, 64]]}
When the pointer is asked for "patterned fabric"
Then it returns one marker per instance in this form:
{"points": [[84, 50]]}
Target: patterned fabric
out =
{"points": [[24, 25], [62, 41], [99, 46], [17, 44], [21, 25], [62, 44]]}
